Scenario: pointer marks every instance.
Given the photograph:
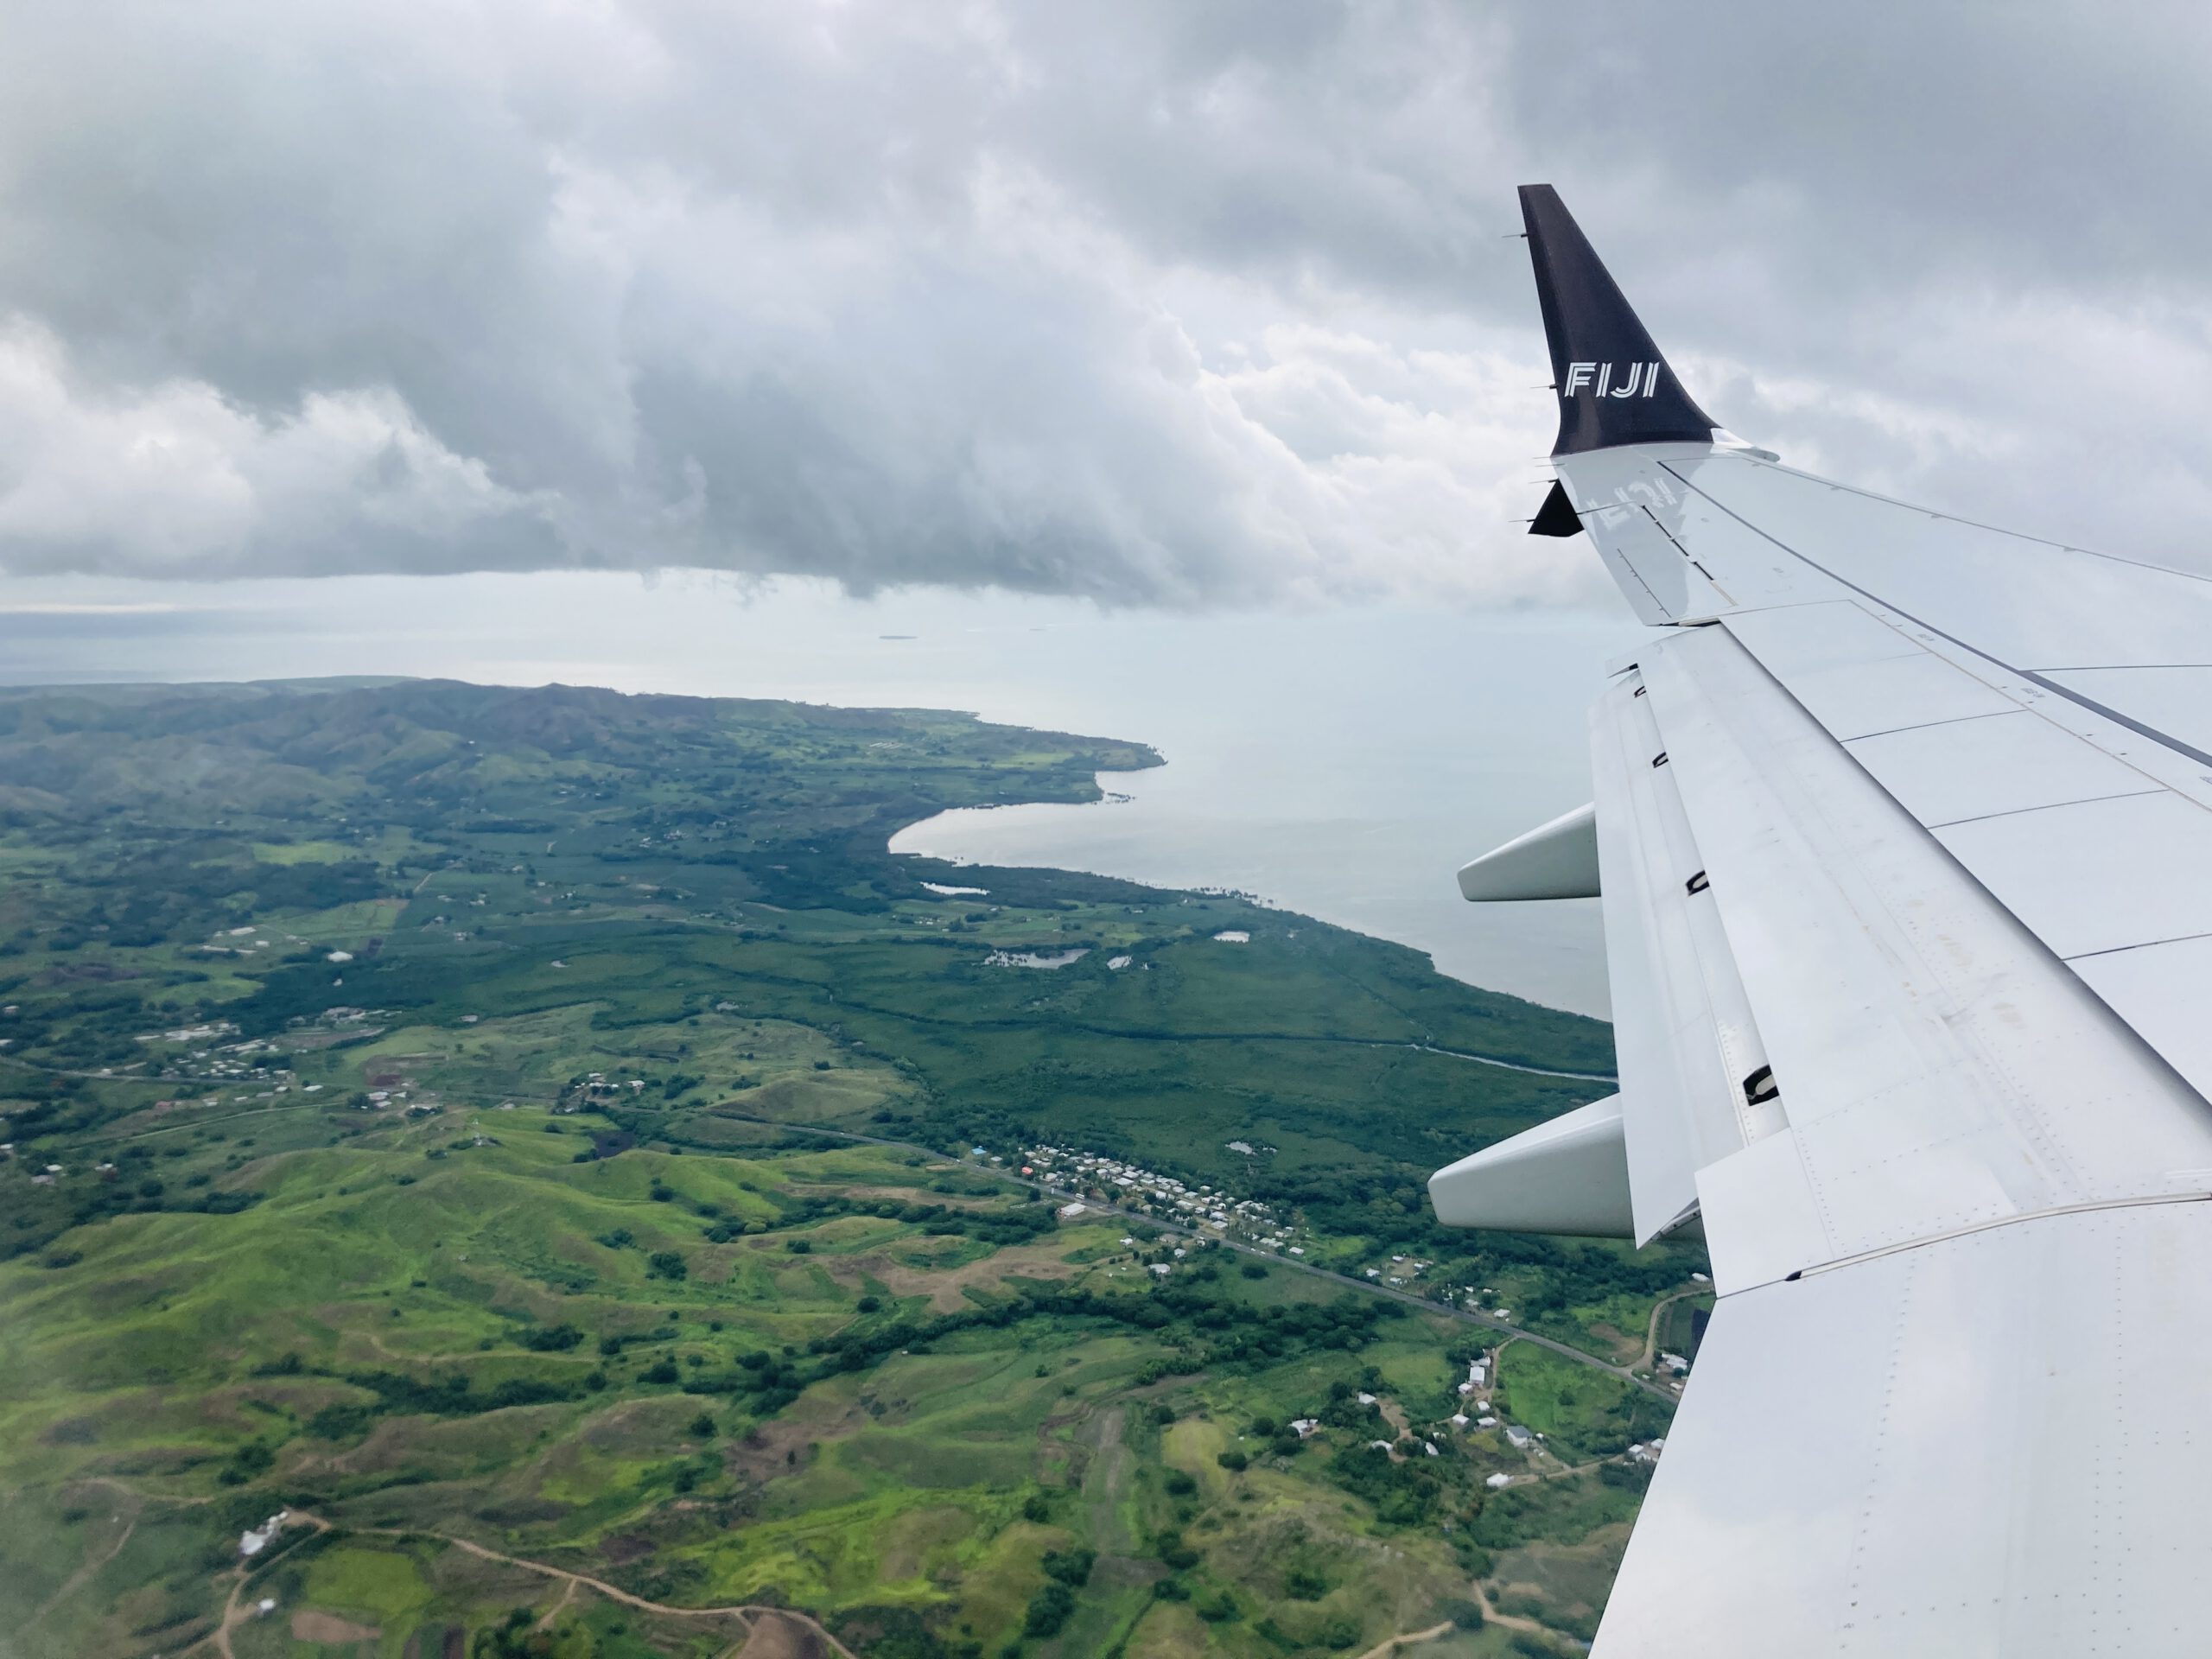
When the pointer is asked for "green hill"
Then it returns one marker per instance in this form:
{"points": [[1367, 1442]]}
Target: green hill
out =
{"points": [[549, 1120]]}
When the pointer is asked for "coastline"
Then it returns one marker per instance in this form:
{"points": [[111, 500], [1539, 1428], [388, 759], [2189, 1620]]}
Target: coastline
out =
{"points": [[1336, 870]]}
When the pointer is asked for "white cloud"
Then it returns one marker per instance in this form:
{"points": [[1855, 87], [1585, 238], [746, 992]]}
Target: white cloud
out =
{"points": [[171, 480], [1147, 302]]}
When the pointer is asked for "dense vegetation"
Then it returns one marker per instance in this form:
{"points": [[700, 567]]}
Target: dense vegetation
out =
{"points": [[424, 1104]]}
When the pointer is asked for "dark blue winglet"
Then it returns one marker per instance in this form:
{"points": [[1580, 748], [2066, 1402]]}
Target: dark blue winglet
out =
{"points": [[1613, 386]]}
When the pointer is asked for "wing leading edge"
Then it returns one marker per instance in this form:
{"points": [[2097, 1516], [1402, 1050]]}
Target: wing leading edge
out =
{"points": [[1901, 827]]}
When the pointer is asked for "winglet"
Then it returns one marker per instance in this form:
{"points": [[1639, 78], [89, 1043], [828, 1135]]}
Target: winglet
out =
{"points": [[1613, 385]]}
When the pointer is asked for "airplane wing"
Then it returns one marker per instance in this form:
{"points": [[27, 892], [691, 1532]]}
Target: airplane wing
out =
{"points": [[1904, 837]]}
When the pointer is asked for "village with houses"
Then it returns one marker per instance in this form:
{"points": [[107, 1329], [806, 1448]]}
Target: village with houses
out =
{"points": [[1249, 1223], [1213, 1218], [1130, 1187]]}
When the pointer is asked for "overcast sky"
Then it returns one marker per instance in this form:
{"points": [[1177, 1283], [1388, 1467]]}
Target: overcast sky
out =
{"points": [[1179, 302]]}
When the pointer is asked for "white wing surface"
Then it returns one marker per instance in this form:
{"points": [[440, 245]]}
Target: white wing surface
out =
{"points": [[1904, 835]]}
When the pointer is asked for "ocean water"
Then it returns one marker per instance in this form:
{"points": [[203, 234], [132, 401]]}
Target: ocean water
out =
{"points": [[1342, 763], [1342, 766]]}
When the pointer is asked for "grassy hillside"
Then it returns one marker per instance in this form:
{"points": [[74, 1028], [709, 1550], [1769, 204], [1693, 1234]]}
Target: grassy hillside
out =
{"points": [[423, 1101]]}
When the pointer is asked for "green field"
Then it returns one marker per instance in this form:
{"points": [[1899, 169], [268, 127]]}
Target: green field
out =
{"points": [[426, 1106]]}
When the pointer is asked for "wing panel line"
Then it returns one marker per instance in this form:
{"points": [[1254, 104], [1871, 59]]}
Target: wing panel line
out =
{"points": [[1975, 524], [2165, 740], [2048, 806], [2140, 944], [2089, 1207]]}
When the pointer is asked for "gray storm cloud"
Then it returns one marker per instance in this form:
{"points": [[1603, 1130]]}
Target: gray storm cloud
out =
{"points": [[1159, 303]]}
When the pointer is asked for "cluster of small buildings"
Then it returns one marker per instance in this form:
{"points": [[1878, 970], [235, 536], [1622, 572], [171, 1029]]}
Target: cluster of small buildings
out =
{"points": [[1408, 1270], [1478, 1413], [231, 1063], [595, 1088], [1516, 1437], [202, 1033], [1403, 1271], [1471, 1300], [217, 946], [1161, 1270], [1132, 1187], [427, 1106]]}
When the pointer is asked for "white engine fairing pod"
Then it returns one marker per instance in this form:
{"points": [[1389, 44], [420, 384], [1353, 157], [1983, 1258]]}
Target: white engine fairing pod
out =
{"points": [[1569, 1175], [1557, 859]]}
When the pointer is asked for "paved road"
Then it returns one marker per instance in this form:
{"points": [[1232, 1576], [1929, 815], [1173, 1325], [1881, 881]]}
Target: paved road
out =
{"points": [[1510, 1065]]}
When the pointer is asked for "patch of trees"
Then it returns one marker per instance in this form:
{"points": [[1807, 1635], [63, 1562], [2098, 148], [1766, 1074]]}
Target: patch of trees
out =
{"points": [[1348, 1323], [451, 1393], [1337, 1630], [105, 1199], [252, 1459], [515, 1636], [1626, 1477], [1049, 1609], [896, 1633], [343, 1420], [1403, 1494], [303, 992], [1070, 1566], [1174, 1552], [762, 1384]]}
